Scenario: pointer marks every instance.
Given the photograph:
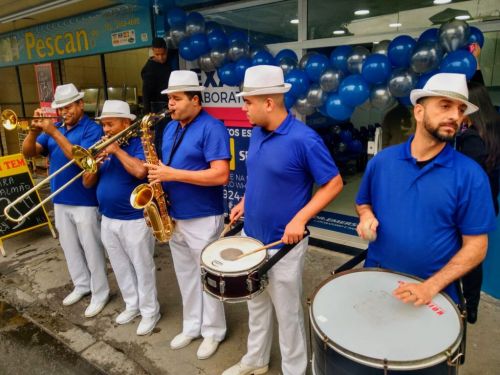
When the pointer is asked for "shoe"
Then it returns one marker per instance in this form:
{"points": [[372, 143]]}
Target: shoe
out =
{"points": [[180, 341], [242, 369], [74, 297], [147, 324], [207, 348], [471, 315], [95, 308], [127, 316]]}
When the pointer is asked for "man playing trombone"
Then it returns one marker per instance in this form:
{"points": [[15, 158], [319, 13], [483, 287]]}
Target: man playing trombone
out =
{"points": [[75, 208]]}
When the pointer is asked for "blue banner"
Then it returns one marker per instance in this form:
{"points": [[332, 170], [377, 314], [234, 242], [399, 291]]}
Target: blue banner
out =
{"points": [[112, 29]]}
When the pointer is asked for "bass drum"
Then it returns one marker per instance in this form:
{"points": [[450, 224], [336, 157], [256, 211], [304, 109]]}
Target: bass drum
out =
{"points": [[360, 328]]}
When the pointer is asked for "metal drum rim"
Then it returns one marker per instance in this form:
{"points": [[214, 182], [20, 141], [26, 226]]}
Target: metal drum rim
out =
{"points": [[375, 362]]}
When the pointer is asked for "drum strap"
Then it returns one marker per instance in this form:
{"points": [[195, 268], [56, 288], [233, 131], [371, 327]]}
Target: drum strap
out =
{"points": [[235, 230], [352, 262]]}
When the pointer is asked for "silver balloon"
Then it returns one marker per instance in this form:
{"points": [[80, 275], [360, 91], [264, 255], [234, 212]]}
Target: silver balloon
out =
{"points": [[237, 49], [256, 48], [382, 47], [453, 35], [315, 96], [177, 35], [218, 56], [194, 26], [426, 57], [205, 63], [356, 58], [287, 64], [303, 106], [330, 80], [401, 82], [381, 98], [305, 58], [169, 41]]}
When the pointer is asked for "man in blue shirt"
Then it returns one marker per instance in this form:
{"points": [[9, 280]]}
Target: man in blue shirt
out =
{"points": [[124, 232], [196, 156], [75, 208], [285, 158], [426, 207]]}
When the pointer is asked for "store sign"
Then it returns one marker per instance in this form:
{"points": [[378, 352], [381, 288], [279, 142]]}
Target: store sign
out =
{"points": [[118, 28]]}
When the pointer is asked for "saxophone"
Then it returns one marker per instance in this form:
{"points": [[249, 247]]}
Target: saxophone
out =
{"points": [[151, 197]]}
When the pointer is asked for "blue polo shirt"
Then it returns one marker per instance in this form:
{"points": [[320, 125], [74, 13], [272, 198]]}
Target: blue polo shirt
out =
{"points": [[206, 139], [85, 133], [281, 167], [116, 184], [424, 212]]}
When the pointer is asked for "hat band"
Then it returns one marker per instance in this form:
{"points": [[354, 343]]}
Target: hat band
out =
{"points": [[71, 100], [183, 87], [114, 114], [451, 94], [249, 88]]}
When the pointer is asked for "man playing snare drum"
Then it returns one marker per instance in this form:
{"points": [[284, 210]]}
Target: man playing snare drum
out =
{"points": [[426, 207], [285, 158]]}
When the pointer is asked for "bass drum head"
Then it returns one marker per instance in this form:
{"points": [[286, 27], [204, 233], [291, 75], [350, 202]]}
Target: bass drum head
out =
{"points": [[364, 322], [212, 256]]}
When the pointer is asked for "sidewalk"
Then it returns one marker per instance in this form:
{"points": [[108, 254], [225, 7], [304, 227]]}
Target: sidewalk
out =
{"points": [[34, 279]]}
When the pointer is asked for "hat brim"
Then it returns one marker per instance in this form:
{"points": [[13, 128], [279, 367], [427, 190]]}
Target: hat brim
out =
{"points": [[183, 89], [267, 90], [130, 117], [55, 105], [417, 94]]}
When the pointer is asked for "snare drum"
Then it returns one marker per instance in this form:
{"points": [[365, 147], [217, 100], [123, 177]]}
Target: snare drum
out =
{"points": [[232, 280], [359, 327]]}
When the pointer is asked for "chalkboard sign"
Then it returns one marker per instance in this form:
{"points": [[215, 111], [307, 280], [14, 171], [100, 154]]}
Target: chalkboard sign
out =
{"points": [[15, 180]]}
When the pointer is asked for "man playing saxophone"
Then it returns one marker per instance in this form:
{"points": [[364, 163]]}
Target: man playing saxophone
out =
{"points": [[195, 154], [128, 240], [75, 208]]}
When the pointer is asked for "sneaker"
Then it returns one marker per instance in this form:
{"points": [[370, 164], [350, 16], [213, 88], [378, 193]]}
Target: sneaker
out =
{"points": [[207, 348], [242, 369], [74, 297], [127, 316], [147, 324], [180, 341], [95, 308]]}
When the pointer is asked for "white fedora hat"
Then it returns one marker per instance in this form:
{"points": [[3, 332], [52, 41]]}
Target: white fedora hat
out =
{"points": [[182, 81], [264, 79], [116, 108], [66, 94], [449, 85]]}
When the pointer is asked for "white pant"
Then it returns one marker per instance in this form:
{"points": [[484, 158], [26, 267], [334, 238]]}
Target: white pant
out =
{"points": [[284, 291], [202, 314], [130, 247], [78, 228]]}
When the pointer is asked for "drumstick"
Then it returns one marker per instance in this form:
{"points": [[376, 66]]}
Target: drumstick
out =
{"points": [[227, 228], [258, 249]]}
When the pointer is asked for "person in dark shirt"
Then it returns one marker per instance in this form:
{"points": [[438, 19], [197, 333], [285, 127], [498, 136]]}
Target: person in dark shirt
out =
{"points": [[155, 75]]}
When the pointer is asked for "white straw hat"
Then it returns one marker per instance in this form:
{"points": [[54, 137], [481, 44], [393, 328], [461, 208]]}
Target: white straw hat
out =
{"points": [[449, 85], [183, 81], [264, 79], [116, 108], [66, 94]]}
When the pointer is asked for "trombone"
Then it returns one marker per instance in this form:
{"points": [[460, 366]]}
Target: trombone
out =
{"points": [[86, 159], [10, 120]]}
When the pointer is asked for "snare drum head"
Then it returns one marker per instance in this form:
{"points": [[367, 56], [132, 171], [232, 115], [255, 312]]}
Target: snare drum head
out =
{"points": [[365, 322], [212, 256]]}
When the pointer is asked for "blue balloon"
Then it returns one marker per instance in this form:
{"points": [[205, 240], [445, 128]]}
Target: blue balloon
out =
{"points": [[355, 146], [237, 36], [217, 39], [289, 100], [176, 17], [336, 108], [227, 75], [459, 61], [406, 101], [299, 81], [316, 66], [211, 26], [429, 35], [241, 66], [186, 51], [263, 58], [376, 69], [338, 58], [346, 136], [422, 80], [400, 51], [354, 90], [199, 44], [285, 53], [195, 23], [476, 36]]}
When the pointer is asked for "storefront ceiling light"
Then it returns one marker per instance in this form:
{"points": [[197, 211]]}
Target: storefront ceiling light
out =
{"points": [[362, 12], [396, 24], [295, 21], [462, 17], [338, 32], [38, 9], [439, 2]]}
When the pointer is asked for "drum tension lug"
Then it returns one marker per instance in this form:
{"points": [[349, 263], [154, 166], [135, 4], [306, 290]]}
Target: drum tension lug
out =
{"points": [[308, 302], [386, 366], [222, 287], [249, 285], [455, 362], [325, 342]]}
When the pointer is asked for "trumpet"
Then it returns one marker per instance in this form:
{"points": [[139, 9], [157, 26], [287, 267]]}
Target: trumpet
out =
{"points": [[86, 159], [10, 120]]}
